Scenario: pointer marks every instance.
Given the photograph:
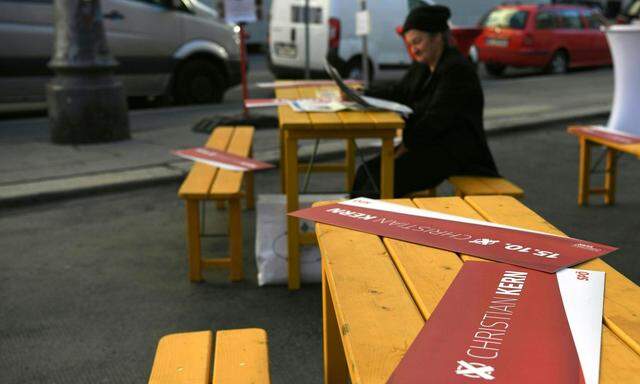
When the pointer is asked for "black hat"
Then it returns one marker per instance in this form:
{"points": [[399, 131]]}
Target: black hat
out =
{"points": [[428, 18]]}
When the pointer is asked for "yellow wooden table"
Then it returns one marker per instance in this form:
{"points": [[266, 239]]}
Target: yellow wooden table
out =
{"points": [[378, 292], [610, 172], [349, 125]]}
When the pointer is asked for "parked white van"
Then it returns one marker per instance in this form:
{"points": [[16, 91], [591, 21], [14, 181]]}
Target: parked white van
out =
{"points": [[332, 35], [178, 48]]}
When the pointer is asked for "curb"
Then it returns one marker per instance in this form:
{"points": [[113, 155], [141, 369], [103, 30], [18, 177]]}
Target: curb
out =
{"points": [[82, 185]]}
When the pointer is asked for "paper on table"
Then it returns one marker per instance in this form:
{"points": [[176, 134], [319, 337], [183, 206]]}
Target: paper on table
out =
{"points": [[317, 105], [262, 103], [301, 83], [582, 294], [387, 105]]}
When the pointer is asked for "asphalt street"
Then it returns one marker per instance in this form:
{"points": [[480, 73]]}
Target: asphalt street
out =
{"points": [[519, 91], [88, 285]]}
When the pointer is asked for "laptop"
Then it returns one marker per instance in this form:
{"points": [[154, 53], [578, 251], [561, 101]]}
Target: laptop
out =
{"points": [[366, 102]]}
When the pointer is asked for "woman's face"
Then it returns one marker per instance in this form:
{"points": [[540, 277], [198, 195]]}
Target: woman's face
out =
{"points": [[424, 47]]}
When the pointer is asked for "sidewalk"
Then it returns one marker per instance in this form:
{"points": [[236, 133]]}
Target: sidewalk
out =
{"points": [[34, 169]]}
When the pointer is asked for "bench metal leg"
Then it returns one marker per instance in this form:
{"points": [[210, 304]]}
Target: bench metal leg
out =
{"points": [[335, 363], [235, 239], [193, 240], [583, 173], [610, 176]]}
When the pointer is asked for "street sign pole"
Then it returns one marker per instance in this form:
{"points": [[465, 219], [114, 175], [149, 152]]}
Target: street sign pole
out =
{"points": [[365, 50], [243, 69], [307, 41]]}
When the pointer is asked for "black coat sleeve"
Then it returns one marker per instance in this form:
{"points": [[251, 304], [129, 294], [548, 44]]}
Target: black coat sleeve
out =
{"points": [[400, 91], [456, 98]]}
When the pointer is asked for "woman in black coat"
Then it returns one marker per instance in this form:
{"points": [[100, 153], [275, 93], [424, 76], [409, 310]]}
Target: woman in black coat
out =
{"points": [[445, 134]]}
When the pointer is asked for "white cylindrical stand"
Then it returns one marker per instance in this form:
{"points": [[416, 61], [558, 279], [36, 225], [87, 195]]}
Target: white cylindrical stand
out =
{"points": [[624, 42]]}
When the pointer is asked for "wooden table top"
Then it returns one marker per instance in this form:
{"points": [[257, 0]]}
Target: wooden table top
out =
{"points": [[383, 290], [290, 119]]}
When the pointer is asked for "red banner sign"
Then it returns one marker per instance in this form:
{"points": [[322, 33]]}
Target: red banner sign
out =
{"points": [[536, 250], [607, 134], [263, 103], [500, 324], [222, 159]]}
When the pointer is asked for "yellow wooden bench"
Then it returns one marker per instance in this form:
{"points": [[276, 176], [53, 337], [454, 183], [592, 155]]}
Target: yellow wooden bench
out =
{"points": [[241, 357], [378, 293], [613, 149], [205, 182], [477, 186]]}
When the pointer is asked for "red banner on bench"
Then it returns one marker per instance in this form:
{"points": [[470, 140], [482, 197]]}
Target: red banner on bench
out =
{"points": [[607, 134], [530, 249], [222, 159]]}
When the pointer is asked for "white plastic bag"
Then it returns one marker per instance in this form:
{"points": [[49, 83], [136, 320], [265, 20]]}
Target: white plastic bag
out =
{"points": [[271, 240]]}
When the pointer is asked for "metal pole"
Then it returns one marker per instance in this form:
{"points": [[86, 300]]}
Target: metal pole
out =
{"points": [[243, 69], [365, 52], [307, 41], [86, 103]]}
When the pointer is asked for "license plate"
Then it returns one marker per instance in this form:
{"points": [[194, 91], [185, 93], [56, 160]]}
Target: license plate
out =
{"points": [[497, 42], [285, 50]]}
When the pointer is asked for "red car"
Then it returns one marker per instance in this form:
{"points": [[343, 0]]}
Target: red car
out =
{"points": [[553, 37]]}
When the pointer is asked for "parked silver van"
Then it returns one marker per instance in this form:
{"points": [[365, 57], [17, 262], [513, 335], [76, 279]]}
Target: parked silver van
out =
{"points": [[175, 48]]}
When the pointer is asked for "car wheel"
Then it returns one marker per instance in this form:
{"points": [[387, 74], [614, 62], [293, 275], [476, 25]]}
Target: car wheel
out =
{"points": [[199, 81], [559, 63], [495, 69], [353, 70]]}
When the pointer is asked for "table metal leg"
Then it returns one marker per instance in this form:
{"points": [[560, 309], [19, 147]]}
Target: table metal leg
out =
{"points": [[386, 169], [583, 173], [291, 176], [335, 362], [350, 163], [610, 176]]}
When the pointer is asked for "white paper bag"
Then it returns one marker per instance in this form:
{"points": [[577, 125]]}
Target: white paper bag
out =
{"points": [[271, 240]]}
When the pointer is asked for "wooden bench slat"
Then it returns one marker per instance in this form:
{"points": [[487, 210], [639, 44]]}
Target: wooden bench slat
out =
{"points": [[376, 316], [227, 182], [621, 304], [182, 358], [356, 119], [241, 357], [387, 120], [618, 363], [199, 180], [427, 271], [477, 185]]}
